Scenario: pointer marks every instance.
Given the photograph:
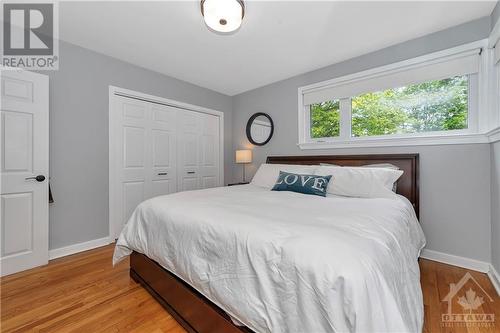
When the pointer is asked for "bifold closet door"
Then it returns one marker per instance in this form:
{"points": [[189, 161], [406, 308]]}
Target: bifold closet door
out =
{"points": [[198, 152], [158, 150], [145, 155], [209, 151]]}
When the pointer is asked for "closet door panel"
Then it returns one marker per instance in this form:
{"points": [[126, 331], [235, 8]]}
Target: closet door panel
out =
{"points": [[189, 124], [133, 194], [163, 187], [133, 128], [146, 155], [164, 150], [209, 151]]}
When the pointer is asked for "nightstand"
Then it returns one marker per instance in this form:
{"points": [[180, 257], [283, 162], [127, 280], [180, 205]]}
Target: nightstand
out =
{"points": [[242, 183]]}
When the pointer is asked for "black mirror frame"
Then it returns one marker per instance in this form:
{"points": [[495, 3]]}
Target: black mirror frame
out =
{"points": [[249, 125]]}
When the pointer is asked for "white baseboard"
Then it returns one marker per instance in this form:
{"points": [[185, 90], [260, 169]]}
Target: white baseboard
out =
{"points": [[80, 247], [473, 264], [494, 278]]}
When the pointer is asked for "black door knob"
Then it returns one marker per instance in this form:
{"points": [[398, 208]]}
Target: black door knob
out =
{"points": [[39, 178]]}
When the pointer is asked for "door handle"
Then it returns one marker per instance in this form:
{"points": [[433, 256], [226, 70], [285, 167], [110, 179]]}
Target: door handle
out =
{"points": [[162, 173], [39, 178], [190, 172]]}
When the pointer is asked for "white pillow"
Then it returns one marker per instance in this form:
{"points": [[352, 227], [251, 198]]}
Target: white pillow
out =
{"points": [[381, 165], [360, 182], [267, 174], [376, 165]]}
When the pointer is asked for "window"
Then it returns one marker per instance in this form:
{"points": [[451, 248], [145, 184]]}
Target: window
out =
{"points": [[325, 119], [439, 105], [435, 98]]}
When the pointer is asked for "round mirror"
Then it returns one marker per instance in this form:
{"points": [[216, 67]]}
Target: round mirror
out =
{"points": [[260, 129]]}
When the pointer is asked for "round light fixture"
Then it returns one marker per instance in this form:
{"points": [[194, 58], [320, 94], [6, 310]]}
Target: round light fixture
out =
{"points": [[223, 15]]}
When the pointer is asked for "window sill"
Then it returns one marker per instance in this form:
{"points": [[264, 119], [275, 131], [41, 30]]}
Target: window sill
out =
{"points": [[494, 135], [404, 141]]}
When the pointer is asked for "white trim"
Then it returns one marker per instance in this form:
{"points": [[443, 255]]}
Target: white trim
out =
{"points": [[398, 141], [494, 35], [431, 57], [494, 278], [479, 96], [111, 164], [162, 100], [494, 135], [113, 90], [467, 263], [466, 63], [79, 247], [475, 134]]}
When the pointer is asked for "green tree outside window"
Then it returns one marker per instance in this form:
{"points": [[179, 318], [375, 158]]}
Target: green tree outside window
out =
{"points": [[325, 119], [438, 105]]}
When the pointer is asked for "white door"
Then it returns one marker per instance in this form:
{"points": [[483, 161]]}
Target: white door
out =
{"points": [[189, 150], [157, 149], [145, 156], [164, 150], [209, 151], [199, 155], [25, 169]]}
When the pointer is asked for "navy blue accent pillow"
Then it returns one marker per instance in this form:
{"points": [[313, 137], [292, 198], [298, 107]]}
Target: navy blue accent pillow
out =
{"points": [[307, 184]]}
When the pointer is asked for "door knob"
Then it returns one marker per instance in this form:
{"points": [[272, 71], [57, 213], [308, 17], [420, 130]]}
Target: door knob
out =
{"points": [[39, 178]]}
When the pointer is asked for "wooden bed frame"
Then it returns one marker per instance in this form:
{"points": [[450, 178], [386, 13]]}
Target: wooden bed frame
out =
{"points": [[195, 312]]}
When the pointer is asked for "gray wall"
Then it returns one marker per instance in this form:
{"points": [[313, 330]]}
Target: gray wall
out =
{"points": [[495, 182], [79, 135], [455, 179], [495, 205]]}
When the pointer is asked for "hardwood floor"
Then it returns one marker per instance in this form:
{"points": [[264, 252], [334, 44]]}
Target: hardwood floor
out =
{"points": [[435, 279], [84, 293], [81, 293]]}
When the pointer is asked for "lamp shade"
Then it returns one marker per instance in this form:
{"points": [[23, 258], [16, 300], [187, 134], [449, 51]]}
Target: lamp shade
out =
{"points": [[244, 156]]}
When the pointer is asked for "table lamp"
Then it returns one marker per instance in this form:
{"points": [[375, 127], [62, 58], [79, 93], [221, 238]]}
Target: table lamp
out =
{"points": [[244, 157]]}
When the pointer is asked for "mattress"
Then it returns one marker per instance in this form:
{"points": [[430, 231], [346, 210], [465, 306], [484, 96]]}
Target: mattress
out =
{"points": [[288, 262]]}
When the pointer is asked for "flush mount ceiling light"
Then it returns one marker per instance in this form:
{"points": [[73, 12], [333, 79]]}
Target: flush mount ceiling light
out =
{"points": [[223, 15]]}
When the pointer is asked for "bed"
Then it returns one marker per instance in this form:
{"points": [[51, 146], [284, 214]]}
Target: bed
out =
{"points": [[246, 259]]}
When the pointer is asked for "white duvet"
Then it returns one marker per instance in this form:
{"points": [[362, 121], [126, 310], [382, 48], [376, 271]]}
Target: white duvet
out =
{"points": [[288, 262]]}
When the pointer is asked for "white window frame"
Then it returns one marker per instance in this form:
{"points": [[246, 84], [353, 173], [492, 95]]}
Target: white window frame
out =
{"points": [[494, 133], [478, 112]]}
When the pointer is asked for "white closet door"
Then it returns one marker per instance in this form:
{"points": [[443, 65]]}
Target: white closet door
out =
{"points": [[24, 156], [164, 150], [132, 157], [157, 149], [146, 158], [189, 150], [209, 151], [199, 155]]}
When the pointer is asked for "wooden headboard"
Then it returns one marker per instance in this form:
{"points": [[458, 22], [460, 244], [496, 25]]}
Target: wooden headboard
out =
{"points": [[407, 184]]}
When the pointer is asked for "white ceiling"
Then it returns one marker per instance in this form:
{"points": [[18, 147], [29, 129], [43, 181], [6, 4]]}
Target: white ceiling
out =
{"points": [[277, 39]]}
